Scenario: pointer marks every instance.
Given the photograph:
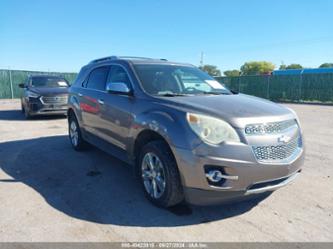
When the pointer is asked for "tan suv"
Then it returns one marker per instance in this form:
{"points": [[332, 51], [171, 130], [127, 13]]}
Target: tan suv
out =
{"points": [[185, 135]]}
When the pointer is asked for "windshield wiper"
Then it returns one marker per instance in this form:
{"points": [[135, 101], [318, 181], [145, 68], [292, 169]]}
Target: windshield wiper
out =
{"points": [[172, 94], [216, 93]]}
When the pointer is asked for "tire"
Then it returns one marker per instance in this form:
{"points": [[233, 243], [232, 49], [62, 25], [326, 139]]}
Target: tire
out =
{"points": [[75, 134], [165, 173], [22, 108], [27, 113]]}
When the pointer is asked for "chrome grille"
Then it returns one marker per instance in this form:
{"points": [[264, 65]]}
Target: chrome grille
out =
{"points": [[276, 152], [54, 100], [269, 128]]}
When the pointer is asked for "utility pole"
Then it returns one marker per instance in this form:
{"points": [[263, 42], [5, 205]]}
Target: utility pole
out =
{"points": [[201, 59]]}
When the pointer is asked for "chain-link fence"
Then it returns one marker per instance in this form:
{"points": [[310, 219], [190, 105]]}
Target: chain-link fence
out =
{"points": [[310, 88], [307, 88], [10, 79]]}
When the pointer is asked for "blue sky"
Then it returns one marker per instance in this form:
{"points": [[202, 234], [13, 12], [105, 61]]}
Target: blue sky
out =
{"points": [[64, 35]]}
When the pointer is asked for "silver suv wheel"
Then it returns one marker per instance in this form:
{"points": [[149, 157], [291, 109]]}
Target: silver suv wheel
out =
{"points": [[153, 175]]}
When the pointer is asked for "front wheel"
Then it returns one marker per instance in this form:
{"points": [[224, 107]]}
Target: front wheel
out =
{"points": [[22, 108], [26, 112], [159, 175]]}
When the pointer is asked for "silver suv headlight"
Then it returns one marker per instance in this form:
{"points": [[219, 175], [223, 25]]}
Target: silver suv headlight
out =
{"points": [[295, 114], [32, 94], [212, 130]]}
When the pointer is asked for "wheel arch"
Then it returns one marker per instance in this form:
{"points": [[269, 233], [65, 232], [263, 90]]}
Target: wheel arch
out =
{"points": [[74, 110], [144, 137], [70, 112]]}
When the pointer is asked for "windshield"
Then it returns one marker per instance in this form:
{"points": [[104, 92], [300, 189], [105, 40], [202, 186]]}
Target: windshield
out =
{"points": [[174, 80], [48, 82]]}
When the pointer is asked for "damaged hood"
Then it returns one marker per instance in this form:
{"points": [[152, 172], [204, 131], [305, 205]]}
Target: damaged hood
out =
{"points": [[237, 109]]}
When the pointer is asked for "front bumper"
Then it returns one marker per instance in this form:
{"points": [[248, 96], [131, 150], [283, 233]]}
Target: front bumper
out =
{"points": [[210, 197], [36, 107], [235, 160]]}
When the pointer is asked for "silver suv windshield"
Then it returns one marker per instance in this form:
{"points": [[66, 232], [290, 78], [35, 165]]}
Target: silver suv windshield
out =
{"points": [[175, 80], [48, 82]]}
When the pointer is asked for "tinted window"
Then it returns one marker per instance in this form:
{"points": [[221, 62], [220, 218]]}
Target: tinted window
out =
{"points": [[118, 74], [81, 78], [42, 81], [27, 82], [97, 78]]}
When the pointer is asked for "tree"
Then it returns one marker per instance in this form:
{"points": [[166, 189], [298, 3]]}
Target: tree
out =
{"points": [[283, 67], [232, 73], [211, 70], [257, 68], [325, 65], [294, 66]]}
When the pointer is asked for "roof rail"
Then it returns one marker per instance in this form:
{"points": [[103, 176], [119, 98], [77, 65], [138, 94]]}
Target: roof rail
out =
{"points": [[103, 59], [135, 58], [113, 57]]}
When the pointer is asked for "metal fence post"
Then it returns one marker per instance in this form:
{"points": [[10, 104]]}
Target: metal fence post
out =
{"points": [[239, 83], [11, 82], [300, 86], [268, 81]]}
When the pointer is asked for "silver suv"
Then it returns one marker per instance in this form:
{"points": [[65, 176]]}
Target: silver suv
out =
{"points": [[185, 134]]}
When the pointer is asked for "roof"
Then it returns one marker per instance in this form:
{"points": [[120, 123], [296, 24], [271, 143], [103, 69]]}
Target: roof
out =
{"points": [[137, 60]]}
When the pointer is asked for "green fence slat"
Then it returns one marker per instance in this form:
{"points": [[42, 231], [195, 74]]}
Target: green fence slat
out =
{"points": [[19, 76], [4, 84], [310, 88]]}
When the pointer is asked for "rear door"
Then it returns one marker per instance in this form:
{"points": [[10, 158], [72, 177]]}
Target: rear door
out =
{"points": [[91, 99]]}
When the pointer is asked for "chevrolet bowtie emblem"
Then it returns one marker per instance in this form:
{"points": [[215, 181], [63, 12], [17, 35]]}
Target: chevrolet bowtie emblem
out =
{"points": [[284, 139]]}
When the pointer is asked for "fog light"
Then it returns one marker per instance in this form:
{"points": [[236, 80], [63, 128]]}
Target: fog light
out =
{"points": [[217, 176], [214, 175]]}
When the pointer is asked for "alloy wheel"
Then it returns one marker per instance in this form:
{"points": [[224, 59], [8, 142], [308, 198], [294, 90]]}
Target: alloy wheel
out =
{"points": [[153, 175], [74, 134]]}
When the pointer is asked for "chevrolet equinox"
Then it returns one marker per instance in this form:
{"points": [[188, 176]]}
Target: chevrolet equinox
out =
{"points": [[186, 135]]}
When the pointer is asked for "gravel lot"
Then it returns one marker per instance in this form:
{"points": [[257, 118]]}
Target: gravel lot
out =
{"points": [[48, 192]]}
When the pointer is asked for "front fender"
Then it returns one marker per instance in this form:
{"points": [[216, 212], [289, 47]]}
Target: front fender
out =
{"points": [[172, 127]]}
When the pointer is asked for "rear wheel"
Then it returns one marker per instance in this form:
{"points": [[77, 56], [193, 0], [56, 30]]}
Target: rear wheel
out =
{"points": [[75, 135], [159, 175]]}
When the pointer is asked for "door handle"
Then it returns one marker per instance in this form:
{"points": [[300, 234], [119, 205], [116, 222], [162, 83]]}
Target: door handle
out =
{"points": [[80, 94], [101, 102]]}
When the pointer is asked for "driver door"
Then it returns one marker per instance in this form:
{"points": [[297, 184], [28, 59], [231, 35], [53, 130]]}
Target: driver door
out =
{"points": [[116, 112]]}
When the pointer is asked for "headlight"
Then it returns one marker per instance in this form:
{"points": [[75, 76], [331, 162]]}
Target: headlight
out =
{"points": [[212, 130], [32, 95], [296, 116]]}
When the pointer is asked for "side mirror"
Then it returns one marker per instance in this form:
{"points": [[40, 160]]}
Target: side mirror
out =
{"points": [[21, 85], [118, 88]]}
